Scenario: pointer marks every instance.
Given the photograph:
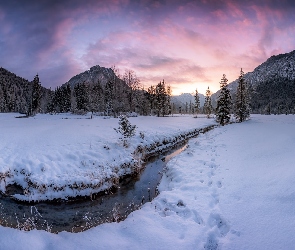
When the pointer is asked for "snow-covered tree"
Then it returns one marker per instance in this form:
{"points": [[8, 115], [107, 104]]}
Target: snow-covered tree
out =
{"points": [[125, 129], [168, 108], [152, 98], [197, 102], [109, 96], [96, 98], [36, 95], [223, 103], [161, 99], [81, 96], [242, 103], [208, 105]]}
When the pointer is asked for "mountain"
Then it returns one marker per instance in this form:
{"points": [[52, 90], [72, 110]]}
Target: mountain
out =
{"points": [[272, 85], [95, 74], [181, 100]]}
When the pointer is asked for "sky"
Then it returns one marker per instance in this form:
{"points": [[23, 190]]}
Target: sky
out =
{"points": [[189, 44]]}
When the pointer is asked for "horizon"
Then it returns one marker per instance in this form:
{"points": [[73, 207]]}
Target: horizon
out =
{"points": [[190, 44]]}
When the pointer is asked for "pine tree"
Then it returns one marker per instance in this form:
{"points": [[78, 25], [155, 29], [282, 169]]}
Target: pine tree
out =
{"points": [[125, 129], [208, 105], [81, 94], [152, 98], [197, 102], [161, 98], [36, 95], [223, 103], [109, 96], [242, 105], [168, 108], [191, 108], [67, 93], [50, 103]]}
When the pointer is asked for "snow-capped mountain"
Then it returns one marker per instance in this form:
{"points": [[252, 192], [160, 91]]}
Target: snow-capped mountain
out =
{"points": [[272, 85], [181, 100], [281, 66]]}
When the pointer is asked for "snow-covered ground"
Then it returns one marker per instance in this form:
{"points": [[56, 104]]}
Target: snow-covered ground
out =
{"points": [[233, 188], [61, 156]]}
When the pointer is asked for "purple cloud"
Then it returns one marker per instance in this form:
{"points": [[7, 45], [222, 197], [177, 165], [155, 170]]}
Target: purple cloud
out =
{"points": [[189, 43]]}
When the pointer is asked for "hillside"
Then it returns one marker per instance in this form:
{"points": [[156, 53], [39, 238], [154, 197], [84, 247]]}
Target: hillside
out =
{"points": [[272, 85], [15, 92], [94, 75]]}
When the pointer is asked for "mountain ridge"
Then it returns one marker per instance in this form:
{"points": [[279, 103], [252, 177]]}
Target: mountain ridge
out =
{"points": [[271, 85]]}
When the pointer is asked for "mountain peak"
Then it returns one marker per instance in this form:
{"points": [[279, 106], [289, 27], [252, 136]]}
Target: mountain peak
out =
{"points": [[93, 75]]}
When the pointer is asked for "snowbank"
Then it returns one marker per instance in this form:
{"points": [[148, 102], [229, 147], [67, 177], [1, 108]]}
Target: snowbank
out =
{"points": [[233, 188], [50, 157]]}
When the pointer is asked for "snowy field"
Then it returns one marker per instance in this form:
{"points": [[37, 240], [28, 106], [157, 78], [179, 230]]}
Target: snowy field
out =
{"points": [[61, 156], [233, 188]]}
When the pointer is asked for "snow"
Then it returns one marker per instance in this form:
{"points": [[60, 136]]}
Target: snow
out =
{"points": [[61, 156], [233, 188]]}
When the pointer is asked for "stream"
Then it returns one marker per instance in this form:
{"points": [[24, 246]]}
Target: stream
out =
{"points": [[80, 215]]}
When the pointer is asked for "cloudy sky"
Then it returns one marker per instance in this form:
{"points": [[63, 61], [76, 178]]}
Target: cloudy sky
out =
{"points": [[190, 44]]}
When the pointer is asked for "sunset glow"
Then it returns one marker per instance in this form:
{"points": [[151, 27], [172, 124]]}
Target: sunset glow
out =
{"points": [[190, 44]]}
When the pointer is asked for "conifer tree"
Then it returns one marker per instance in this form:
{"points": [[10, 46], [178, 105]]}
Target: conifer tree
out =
{"points": [[109, 96], [208, 105], [36, 95], [67, 93], [242, 105], [161, 97], [223, 103], [125, 129], [197, 102], [152, 98], [50, 104], [168, 108], [80, 91]]}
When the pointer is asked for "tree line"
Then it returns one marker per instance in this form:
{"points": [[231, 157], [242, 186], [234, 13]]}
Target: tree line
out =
{"points": [[125, 94], [225, 106], [119, 94]]}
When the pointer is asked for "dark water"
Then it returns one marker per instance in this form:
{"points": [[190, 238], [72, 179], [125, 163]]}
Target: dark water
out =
{"points": [[80, 215]]}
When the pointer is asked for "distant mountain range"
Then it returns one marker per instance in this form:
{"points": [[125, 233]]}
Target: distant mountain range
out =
{"points": [[272, 85], [186, 98]]}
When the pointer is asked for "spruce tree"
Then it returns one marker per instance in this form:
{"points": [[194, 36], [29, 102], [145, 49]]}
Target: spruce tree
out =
{"points": [[197, 102], [109, 96], [223, 103], [242, 105], [81, 94], [168, 108], [161, 98], [125, 129], [208, 105], [67, 93], [152, 98], [36, 95]]}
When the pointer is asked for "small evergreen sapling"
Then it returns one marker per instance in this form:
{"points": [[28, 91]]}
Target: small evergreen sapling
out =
{"points": [[125, 129]]}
